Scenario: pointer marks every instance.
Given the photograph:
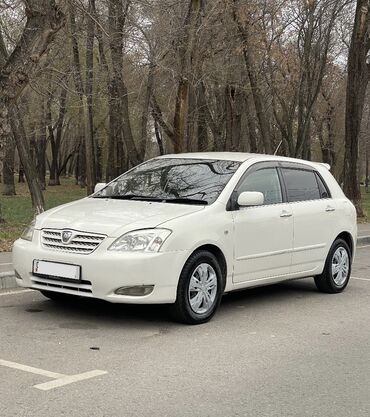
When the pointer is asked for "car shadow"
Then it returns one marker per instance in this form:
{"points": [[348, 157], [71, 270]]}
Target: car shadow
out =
{"points": [[294, 288], [99, 313]]}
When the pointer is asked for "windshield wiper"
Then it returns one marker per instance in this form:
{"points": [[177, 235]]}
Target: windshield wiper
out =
{"points": [[135, 197], [158, 199], [187, 201]]}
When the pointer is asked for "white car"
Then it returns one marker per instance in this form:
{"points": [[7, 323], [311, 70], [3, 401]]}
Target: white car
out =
{"points": [[185, 229]]}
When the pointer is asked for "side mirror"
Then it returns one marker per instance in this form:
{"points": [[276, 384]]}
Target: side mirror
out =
{"points": [[99, 186], [251, 199]]}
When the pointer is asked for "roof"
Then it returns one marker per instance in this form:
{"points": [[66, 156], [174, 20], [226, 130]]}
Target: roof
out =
{"points": [[222, 156], [238, 157]]}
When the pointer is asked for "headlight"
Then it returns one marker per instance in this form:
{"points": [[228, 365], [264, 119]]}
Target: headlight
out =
{"points": [[28, 231], [147, 240]]}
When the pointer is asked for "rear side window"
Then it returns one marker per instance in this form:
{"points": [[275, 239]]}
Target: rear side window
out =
{"points": [[265, 181], [301, 185], [324, 191]]}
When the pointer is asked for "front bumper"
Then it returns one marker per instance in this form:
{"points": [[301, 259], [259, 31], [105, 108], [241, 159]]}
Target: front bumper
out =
{"points": [[103, 272]]}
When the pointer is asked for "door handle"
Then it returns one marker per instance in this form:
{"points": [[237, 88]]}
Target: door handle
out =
{"points": [[330, 209], [285, 214]]}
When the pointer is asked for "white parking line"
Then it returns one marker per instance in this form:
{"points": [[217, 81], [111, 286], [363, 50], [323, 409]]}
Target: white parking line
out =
{"points": [[30, 369], [6, 264], [361, 279], [59, 380]]}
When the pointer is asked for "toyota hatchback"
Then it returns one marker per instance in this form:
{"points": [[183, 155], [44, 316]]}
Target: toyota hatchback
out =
{"points": [[185, 229]]}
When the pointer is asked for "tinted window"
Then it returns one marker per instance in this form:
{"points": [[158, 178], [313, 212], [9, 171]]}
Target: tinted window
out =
{"points": [[171, 179], [265, 181], [301, 185], [324, 193]]}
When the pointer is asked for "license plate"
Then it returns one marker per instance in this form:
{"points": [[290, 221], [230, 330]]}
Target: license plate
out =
{"points": [[57, 270]]}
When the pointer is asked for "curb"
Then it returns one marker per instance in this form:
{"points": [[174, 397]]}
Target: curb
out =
{"points": [[363, 240], [7, 279]]}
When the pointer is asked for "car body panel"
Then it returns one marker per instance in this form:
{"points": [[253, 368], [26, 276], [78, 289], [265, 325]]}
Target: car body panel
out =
{"points": [[111, 217], [263, 242], [258, 246]]}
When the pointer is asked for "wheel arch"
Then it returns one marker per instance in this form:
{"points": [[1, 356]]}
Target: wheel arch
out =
{"points": [[218, 253], [347, 237]]}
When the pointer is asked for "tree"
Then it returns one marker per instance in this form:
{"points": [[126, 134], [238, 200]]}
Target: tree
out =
{"points": [[44, 19], [358, 79]]}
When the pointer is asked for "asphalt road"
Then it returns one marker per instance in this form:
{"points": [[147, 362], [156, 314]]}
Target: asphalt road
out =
{"points": [[284, 350]]}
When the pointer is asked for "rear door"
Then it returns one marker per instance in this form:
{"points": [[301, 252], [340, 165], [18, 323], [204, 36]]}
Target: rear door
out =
{"points": [[263, 235], [314, 216]]}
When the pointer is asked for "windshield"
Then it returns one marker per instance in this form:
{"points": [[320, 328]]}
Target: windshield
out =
{"points": [[184, 181]]}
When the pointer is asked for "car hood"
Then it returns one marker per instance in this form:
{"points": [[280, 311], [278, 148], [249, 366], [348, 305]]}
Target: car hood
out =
{"points": [[111, 217]]}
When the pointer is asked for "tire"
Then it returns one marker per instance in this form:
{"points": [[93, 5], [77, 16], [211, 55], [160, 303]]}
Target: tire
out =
{"points": [[203, 269], [334, 283], [57, 296]]}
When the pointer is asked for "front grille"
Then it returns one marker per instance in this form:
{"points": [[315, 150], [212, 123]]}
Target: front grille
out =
{"points": [[47, 283], [80, 243]]}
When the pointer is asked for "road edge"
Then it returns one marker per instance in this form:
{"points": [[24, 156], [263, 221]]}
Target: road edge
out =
{"points": [[7, 280]]}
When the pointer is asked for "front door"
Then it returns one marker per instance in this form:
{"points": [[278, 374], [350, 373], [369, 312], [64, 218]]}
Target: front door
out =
{"points": [[263, 235]]}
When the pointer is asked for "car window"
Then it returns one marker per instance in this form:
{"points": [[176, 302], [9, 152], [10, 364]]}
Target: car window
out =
{"points": [[265, 181], [173, 180], [301, 185], [324, 193]]}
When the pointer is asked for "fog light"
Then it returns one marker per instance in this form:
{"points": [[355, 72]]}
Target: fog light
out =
{"points": [[136, 291]]}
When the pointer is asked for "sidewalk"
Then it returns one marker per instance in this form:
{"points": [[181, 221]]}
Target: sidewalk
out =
{"points": [[364, 229]]}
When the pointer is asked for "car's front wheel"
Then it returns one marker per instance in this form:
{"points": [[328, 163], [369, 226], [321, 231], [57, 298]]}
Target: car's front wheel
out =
{"points": [[337, 271], [200, 289]]}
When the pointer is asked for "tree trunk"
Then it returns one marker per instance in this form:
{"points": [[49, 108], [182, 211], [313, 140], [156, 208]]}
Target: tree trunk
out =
{"points": [[87, 161], [21, 179], [367, 166], [252, 125], [158, 136], [117, 17], [202, 128], [146, 111], [186, 52], [8, 168], [81, 164], [41, 147], [44, 19], [358, 78], [252, 73], [113, 165], [56, 139], [88, 106], [20, 137]]}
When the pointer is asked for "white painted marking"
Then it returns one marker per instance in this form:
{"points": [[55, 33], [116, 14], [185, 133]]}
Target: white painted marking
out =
{"points": [[20, 291], [30, 369], [363, 247], [6, 264], [60, 382], [361, 279]]}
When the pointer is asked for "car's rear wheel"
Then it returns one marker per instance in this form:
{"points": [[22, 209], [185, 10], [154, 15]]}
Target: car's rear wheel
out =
{"points": [[337, 271], [199, 290]]}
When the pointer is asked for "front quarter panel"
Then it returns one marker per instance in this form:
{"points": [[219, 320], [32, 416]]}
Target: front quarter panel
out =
{"points": [[211, 226]]}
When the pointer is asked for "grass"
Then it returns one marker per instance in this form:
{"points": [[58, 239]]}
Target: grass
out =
{"points": [[366, 203], [17, 211]]}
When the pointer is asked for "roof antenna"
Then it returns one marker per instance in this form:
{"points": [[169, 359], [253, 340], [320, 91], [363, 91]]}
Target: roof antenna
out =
{"points": [[277, 149]]}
